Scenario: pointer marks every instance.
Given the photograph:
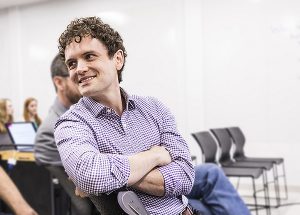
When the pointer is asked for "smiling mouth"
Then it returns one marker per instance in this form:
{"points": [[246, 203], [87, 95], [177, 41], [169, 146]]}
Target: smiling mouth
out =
{"points": [[85, 79]]}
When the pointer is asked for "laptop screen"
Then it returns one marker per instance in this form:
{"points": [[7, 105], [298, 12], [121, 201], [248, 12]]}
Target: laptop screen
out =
{"points": [[22, 134]]}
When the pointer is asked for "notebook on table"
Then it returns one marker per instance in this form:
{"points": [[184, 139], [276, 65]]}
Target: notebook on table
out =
{"points": [[22, 135]]}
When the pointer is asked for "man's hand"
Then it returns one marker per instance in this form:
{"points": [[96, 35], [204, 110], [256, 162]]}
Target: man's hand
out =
{"points": [[80, 193], [143, 162], [164, 157]]}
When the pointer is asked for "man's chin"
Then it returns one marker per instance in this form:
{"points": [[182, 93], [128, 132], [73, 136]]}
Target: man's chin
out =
{"points": [[85, 93]]}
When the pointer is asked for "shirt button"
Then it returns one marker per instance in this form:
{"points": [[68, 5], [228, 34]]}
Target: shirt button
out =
{"points": [[124, 125], [108, 110]]}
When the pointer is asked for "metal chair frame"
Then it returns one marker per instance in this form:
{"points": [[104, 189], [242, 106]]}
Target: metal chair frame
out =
{"points": [[239, 140], [209, 150]]}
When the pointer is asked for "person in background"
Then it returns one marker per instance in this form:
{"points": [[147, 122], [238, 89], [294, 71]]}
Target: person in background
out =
{"points": [[6, 116], [45, 148], [30, 111], [10, 110], [10, 194]]}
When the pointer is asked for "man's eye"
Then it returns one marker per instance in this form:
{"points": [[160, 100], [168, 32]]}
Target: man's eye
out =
{"points": [[89, 57], [71, 65]]}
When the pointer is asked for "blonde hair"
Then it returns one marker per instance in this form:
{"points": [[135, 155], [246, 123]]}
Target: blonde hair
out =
{"points": [[26, 113], [4, 117]]}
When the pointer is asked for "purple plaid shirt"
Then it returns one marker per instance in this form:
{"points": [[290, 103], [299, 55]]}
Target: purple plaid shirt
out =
{"points": [[94, 144]]}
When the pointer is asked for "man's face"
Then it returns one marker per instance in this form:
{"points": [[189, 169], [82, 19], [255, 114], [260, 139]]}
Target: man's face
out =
{"points": [[91, 69]]}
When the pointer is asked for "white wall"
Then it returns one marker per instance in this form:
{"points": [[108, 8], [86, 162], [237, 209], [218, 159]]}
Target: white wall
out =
{"points": [[215, 63], [163, 45], [251, 74]]}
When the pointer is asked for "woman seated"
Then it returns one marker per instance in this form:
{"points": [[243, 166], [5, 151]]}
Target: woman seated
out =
{"points": [[6, 116], [30, 112]]}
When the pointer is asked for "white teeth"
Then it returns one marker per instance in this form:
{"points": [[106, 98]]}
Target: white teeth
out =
{"points": [[87, 79]]}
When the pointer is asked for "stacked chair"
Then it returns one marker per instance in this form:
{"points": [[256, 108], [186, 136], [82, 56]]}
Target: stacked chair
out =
{"points": [[225, 143], [208, 146], [239, 155]]}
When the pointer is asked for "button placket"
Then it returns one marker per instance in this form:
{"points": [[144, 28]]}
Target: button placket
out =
{"points": [[123, 121]]}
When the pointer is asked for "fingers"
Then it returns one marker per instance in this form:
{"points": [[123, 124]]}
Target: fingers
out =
{"points": [[164, 155], [80, 193]]}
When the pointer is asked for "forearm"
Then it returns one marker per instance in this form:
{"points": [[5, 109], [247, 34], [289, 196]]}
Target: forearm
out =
{"points": [[140, 165], [98, 169], [10, 194], [178, 177], [152, 183], [169, 180]]}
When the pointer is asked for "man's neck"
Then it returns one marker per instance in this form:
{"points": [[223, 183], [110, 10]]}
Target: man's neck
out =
{"points": [[112, 100]]}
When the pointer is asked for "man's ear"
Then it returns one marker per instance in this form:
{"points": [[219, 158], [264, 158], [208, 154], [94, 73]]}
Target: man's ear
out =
{"points": [[119, 59], [59, 82]]}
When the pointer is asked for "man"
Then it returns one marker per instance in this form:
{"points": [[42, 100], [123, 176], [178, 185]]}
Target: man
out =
{"points": [[45, 148], [10, 194], [111, 140]]}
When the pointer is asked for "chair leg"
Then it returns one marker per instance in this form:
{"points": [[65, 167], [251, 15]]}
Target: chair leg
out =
{"points": [[254, 196], [285, 183], [266, 192], [238, 184], [276, 185]]}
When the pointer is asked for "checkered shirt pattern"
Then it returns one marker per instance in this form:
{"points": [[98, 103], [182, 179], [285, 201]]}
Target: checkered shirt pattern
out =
{"points": [[94, 144]]}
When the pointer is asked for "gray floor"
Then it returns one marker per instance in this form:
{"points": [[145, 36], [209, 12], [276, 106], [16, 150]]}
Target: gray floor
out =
{"points": [[294, 197]]}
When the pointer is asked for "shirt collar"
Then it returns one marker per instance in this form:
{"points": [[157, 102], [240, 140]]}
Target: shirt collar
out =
{"points": [[97, 108], [129, 100]]}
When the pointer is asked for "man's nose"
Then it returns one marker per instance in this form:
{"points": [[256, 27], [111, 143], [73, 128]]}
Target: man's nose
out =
{"points": [[81, 67]]}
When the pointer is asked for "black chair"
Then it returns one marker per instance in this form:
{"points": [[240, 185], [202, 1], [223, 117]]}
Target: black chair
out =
{"points": [[119, 202], [239, 140], [131, 204], [225, 143], [209, 150]]}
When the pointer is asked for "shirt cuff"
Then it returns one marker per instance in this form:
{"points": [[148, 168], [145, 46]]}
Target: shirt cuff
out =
{"points": [[121, 169], [171, 183]]}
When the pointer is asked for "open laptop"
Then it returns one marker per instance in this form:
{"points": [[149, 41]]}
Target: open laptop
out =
{"points": [[22, 134]]}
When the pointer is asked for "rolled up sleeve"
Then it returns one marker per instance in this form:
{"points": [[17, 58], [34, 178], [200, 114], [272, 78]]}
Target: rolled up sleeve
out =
{"points": [[92, 171], [179, 174]]}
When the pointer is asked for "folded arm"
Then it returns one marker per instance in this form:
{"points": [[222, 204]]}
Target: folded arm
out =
{"points": [[85, 164], [175, 178]]}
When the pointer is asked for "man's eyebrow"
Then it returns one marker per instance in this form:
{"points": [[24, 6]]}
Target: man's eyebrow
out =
{"points": [[83, 54], [88, 52], [68, 60]]}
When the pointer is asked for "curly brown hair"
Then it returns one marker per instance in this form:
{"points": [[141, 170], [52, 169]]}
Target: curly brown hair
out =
{"points": [[96, 28]]}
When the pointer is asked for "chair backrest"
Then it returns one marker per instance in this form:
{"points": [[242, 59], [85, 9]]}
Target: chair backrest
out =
{"points": [[239, 141], [207, 145], [224, 141], [119, 202], [131, 203], [107, 204]]}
